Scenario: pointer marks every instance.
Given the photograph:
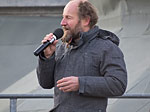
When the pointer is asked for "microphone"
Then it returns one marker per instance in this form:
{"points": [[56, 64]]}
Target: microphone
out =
{"points": [[58, 33]]}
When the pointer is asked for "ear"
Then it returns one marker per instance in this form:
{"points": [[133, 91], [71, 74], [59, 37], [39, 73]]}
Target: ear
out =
{"points": [[86, 21]]}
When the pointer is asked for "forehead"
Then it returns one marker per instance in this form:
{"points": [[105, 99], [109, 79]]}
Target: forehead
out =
{"points": [[71, 8]]}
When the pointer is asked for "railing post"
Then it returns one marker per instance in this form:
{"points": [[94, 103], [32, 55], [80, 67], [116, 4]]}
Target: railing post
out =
{"points": [[13, 104]]}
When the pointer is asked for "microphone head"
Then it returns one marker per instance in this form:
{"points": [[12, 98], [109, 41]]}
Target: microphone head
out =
{"points": [[58, 33]]}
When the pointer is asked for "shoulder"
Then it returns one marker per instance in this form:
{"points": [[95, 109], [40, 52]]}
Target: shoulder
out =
{"points": [[107, 47], [108, 35]]}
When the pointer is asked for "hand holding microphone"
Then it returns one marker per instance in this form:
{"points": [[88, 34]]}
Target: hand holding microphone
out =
{"points": [[48, 45], [48, 51]]}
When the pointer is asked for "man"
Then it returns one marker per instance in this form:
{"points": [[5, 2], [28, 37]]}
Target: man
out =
{"points": [[86, 66]]}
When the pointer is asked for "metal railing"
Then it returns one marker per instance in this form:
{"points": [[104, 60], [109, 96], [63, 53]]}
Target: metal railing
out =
{"points": [[13, 98]]}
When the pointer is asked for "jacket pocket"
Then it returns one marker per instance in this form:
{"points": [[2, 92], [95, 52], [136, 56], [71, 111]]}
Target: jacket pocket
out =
{"points": [[91, 64]]}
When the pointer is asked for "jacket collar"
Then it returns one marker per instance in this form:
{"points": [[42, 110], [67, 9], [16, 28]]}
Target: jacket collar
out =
{"points": [[86, 36]]}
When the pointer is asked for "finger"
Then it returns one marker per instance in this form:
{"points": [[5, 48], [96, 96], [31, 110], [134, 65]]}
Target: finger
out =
{"points": [[63, 80], [66, 88], [43, 41], [60, 81], [48, 37], [63, 84], [55, 42]]}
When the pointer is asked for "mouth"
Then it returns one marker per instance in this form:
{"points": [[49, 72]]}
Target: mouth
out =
{"points": [[65, 28]]}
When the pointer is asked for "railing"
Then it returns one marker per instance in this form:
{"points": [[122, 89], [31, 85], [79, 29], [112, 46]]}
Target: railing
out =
{"points": [[13, 98]]}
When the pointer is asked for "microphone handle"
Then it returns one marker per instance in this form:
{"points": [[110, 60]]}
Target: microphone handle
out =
{"points": [[43, 46]]}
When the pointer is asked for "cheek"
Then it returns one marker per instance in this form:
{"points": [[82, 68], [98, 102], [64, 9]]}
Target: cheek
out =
{"points": [[72, 24]]}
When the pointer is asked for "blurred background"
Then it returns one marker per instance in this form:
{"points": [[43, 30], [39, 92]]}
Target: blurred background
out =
{"points": [[23, 23]]}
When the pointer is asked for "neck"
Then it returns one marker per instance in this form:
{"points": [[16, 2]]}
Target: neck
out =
{"points": [[86, 29]]}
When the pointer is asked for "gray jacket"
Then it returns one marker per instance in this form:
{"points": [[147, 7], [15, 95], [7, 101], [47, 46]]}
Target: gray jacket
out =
{"points": [[99, 64]]}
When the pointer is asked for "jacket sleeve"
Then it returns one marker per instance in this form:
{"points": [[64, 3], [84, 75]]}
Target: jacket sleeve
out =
{"points": [[113, 78], [45, 71]]}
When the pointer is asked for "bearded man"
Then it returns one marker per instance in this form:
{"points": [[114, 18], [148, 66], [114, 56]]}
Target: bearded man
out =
{"points": [[85, 66]]}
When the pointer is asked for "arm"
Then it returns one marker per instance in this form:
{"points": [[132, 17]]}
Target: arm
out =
{"points": [[46, 65], [45, 71]]}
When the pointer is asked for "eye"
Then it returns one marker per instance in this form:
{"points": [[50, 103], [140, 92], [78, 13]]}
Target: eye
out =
{"points": [[68, 17]]}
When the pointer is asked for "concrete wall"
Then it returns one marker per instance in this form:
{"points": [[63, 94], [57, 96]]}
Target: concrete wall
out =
{"points": [[32, 7], [27, 3]]}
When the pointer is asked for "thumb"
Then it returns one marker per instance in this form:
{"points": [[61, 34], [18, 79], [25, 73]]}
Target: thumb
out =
{"points": [[55, 42]]}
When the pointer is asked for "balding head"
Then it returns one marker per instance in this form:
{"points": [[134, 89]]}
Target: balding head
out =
{"points": [[78, 16], [85, 10]]}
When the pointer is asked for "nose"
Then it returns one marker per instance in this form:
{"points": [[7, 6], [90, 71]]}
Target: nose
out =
{"points": [[63, 22]]}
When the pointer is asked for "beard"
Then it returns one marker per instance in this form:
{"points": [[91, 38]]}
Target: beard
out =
{"points": [[71, 34]]}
